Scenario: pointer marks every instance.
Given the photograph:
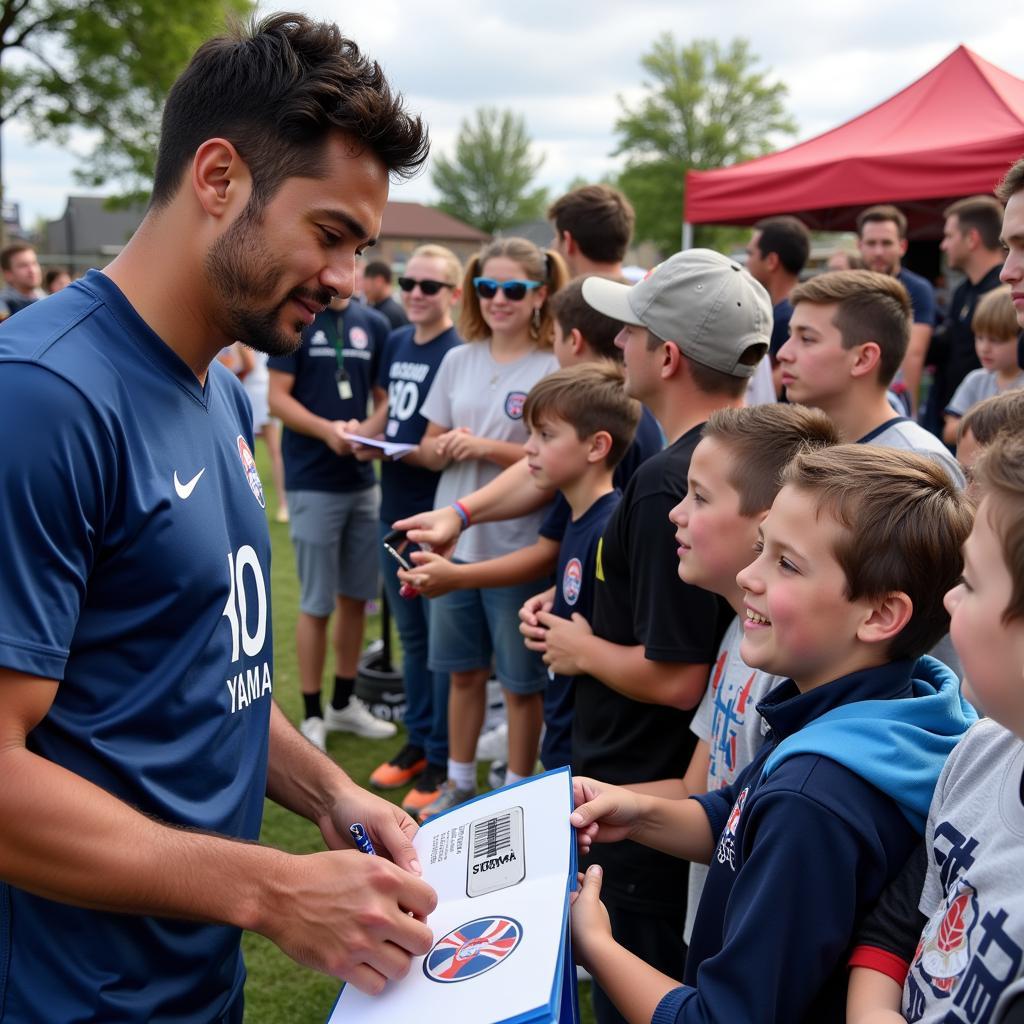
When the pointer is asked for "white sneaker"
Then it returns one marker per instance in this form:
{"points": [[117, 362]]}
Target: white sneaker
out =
{"points": [[315, 731], [355, 717], [493, 744]]}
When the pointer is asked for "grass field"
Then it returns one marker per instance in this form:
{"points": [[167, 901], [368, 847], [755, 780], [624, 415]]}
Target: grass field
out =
{"points": [[279, 991]]}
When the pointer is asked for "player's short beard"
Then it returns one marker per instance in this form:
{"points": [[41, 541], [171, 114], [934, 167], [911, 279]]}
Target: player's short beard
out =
{"points": [[245, 274]]}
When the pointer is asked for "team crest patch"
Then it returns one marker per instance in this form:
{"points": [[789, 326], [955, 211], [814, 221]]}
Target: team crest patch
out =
{"points": [[358, 338], [251, 474], [472, 948], [514, 402], [319, 338], [572, 580], [945, 948]]}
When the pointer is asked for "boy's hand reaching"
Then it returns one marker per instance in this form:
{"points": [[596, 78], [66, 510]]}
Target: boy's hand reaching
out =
{"points": [[563, 642], [534, 634], [591, 925], [432, 574], [604, 813]]}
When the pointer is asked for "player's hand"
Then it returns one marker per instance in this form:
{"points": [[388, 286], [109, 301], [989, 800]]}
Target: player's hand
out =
{"points": [[564, 641], [366, 452], [534, 634], [334, 436], [390, 829], [604, 813], [591, 925], [358, 918], [432, 575], [439, 529]]}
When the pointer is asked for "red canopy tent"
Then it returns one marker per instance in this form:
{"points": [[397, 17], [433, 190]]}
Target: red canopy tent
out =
{"points": [[952, 133]]}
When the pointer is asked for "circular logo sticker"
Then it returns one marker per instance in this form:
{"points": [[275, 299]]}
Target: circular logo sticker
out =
{"points": [[572, 580], [251, 474], [514, 402], [358, 338], [472, 949]]}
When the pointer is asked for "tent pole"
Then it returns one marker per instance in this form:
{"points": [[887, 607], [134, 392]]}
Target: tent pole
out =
{"points": [[687, 235]]}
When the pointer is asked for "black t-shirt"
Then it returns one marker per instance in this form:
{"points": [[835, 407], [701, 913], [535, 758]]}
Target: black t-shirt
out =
{"points": [[392, 311], [640, 599], [355, 339]]}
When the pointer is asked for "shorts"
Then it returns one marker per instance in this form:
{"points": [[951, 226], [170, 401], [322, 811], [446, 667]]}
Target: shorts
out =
{"points": [[468, 627], [335, 540]]}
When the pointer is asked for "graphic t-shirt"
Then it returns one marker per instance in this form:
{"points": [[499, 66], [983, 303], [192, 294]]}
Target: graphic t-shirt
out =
{"points": [[472, 390], [972, 948], [727, 720], [406, 372], [574, 593], [136, 573], [344, 345]]}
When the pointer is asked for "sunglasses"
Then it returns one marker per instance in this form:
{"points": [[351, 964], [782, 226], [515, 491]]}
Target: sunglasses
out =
{"points": [[515, 291], [428, 287]]}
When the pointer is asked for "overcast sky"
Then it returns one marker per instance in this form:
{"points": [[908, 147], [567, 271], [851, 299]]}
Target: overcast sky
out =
{"points": [[563, 65]]}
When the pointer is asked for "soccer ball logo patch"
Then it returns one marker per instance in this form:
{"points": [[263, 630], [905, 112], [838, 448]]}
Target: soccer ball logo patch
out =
{"points": [[472, 948]]}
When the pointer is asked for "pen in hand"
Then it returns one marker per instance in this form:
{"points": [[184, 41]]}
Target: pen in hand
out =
{"points": [[361, 839]]}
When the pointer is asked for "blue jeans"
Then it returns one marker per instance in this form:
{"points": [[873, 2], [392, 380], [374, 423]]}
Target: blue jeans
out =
{"points": [[426, 692]]}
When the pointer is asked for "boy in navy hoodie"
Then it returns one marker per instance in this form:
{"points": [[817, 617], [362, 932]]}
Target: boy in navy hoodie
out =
{"points": [[842, 599]]}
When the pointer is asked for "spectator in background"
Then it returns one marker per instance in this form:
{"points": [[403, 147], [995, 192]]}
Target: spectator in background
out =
{"points": [[55, 279], [882, 241], [776, 254], [23, 275], [970, 241], [844, 259], [377, 289], [593, 227]]}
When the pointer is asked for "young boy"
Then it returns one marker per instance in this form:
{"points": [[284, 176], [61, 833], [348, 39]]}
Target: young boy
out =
{"points": [[733, 479], [983, 423], [847, 337], [965, 949], [581, 423], [842, 599], [995, 340]]}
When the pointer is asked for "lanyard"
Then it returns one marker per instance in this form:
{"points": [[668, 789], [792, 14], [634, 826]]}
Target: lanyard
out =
{"points": [[340, 372]]}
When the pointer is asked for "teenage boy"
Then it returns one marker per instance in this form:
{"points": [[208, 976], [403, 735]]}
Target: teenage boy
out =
{"points": [[733, 479], [320, 392], [843, 598], [882, 241], [431, 286], [995, 339], [581, 424], [377, 278], [953, 950], [582, 335], [593, 226], [848, 335]]}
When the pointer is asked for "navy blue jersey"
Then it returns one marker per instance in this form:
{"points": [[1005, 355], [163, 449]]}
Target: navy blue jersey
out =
{"points": [[647, 440], [136, 572], [406, 372], [782, 312], [574, 592], [346, 344], [922, 296]]}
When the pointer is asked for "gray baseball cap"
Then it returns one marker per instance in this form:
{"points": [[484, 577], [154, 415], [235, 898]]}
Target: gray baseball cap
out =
{"points": [[699, 299]]}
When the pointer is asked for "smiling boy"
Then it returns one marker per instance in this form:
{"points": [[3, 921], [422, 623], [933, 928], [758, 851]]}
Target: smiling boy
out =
{"points": [[842, 599]]}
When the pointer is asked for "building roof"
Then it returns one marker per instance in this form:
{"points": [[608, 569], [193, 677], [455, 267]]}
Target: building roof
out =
{"points": [[414, 220]]}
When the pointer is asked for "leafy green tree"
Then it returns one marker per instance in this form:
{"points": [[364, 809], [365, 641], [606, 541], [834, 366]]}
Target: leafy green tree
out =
{"points": [[101, 65], [706, 106], [487, 182]]}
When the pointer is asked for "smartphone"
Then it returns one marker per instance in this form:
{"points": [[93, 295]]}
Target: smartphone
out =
{"points": [[391, 543]]}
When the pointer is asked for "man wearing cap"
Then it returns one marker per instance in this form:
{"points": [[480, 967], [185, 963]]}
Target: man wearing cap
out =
{"points": [[695, 329]]}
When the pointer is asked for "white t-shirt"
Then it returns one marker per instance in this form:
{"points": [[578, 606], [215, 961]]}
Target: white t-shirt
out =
{"points": [[728, 722], [472, 390]]}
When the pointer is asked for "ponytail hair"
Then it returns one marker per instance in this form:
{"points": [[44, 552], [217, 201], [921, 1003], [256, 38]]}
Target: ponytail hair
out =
{"points": [[544, 265]]}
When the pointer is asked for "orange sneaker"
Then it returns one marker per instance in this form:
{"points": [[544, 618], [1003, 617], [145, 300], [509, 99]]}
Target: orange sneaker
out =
{"points": [[400, 770], [426, 789]]}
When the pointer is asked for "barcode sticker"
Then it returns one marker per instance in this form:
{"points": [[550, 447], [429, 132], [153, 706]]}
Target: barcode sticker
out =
{"points": [[497, 852]]}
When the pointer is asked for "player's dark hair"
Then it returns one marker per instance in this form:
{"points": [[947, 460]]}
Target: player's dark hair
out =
{"points": [[378, 268], [277, 89], [600, 220], [787, 238], [573, 312]]}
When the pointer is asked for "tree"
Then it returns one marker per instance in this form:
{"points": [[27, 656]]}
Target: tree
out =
{"points": [[487, 182], [705, 107], [101, 65]]}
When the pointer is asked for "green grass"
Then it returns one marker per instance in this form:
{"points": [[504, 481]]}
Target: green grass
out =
{"points": [[278, 990]]}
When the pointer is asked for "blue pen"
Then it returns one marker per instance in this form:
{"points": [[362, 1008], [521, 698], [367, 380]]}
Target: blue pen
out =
{"points": [[362, 840]]}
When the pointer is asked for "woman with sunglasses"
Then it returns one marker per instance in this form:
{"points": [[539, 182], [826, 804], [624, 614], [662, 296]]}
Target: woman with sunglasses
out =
{"points": [[475, 429]]}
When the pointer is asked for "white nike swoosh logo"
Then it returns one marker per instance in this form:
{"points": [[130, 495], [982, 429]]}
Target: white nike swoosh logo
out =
{"points": [[185, 490]]}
